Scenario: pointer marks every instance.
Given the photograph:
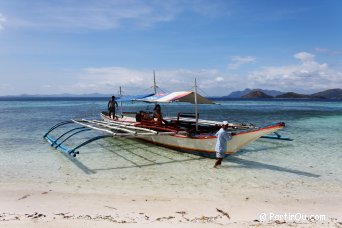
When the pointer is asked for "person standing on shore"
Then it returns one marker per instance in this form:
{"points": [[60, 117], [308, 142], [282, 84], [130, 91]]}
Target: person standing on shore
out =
{"points": [[221, 143], [112, 104]]}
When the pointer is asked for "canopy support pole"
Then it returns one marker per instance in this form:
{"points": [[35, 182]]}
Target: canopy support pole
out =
{"points": [[196, 105], [154, 83], [121, 102]]}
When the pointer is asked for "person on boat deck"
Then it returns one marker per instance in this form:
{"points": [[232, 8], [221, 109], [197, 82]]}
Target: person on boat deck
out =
{"points": [[112, 104], [221, 143], [157, 115]]}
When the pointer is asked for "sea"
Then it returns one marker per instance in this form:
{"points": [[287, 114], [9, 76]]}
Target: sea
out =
{"points": [[315, 154]]}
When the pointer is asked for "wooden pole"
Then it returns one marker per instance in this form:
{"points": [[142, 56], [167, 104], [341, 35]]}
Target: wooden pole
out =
{"points": [[196, 105]]}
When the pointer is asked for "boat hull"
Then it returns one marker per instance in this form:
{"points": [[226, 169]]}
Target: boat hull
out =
{"points": [[203, 145]]}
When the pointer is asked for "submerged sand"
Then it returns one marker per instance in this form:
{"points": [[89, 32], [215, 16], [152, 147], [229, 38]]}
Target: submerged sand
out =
{"points": [[131, 184], [191, 195]]}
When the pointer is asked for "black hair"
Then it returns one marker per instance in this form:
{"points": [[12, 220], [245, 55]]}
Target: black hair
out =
{"points": [[157, 105]]}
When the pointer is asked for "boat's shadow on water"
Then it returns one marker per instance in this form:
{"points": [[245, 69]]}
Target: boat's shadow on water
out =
{"points": [[248, 164], [130, 149], [271, 146], [79, 164]]}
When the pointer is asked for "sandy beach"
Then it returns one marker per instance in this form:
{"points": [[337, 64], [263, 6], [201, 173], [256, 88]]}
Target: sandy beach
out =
{"points": [[187, 193]]}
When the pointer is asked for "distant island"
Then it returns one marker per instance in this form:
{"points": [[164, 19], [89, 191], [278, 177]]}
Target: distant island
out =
{"points": [[246, 93], [256, 94], [260, 93], [240, 94], [293, 95]]}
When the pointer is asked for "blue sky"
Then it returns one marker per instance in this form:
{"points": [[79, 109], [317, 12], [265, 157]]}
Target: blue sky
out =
{"points": [[74, 46]]}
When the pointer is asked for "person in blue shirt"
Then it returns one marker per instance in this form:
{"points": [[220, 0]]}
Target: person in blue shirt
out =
{"points": [[221, 143]]}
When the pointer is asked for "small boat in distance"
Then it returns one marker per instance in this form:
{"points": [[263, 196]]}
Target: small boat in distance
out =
{"points": [[185, 132]]}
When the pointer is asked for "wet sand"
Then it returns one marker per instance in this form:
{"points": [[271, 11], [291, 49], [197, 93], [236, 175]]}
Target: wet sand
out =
{"points": [[184, 194]]}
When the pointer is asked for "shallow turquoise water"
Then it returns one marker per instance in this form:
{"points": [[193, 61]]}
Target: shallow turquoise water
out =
{"points": [[315, 126]]}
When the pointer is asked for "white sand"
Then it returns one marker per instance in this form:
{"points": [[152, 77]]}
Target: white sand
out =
{"points": [[69, 209], [59, 205]]}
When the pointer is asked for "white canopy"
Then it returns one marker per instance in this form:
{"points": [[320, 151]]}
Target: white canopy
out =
{"points": [[182, 96]]}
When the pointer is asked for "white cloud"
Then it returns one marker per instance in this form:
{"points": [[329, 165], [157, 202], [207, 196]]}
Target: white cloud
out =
{"points": [[133, 81], [238, 61], [308, 75], [219, 79], [2, 21], [304, 57], [321, 50], [94, 14], [328, 51], [107, 14], [4, 86]]}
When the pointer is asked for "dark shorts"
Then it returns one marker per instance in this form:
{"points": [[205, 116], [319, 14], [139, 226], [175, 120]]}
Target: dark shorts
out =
{"points": [[110, 111]]}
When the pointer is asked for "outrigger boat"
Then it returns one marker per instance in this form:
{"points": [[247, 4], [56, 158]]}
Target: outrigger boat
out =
{"points": [[185, 132]]}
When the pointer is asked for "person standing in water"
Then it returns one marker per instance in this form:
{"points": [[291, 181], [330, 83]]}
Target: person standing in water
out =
{"points": [[221, 143], [112, 104]]}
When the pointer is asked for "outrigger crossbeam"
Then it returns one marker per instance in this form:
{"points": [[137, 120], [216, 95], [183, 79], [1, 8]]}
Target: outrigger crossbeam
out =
{"points": [[57, 126], [108, 129]]}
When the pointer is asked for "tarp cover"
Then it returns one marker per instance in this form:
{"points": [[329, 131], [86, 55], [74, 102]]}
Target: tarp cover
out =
{"points": [[133, 98], [182, 96]]}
